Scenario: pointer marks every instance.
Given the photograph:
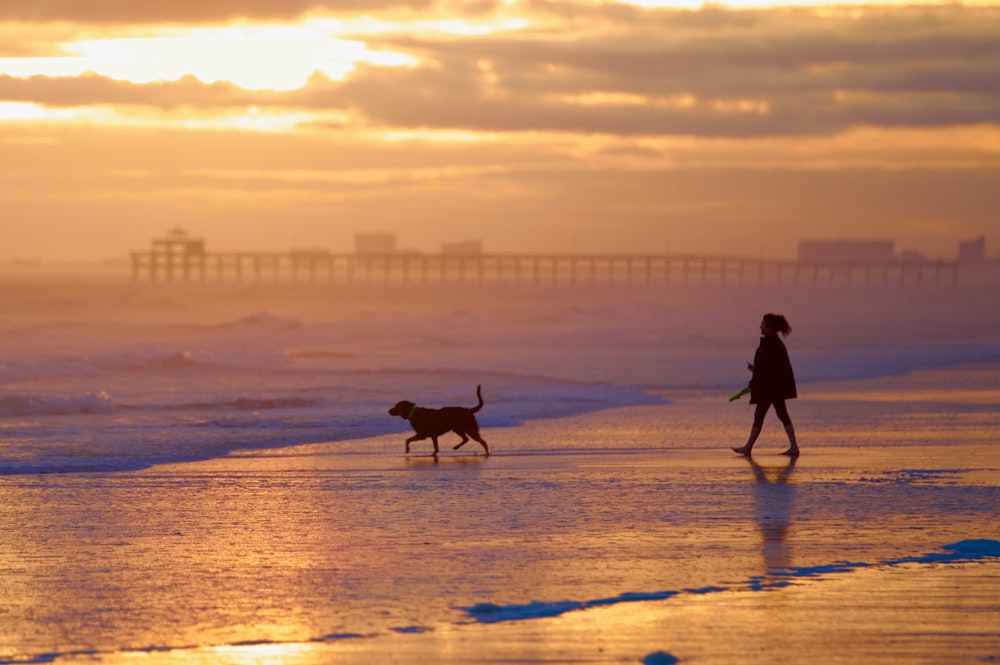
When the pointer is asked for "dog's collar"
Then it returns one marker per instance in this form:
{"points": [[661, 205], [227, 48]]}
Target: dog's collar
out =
{"points": [[412, 411]]}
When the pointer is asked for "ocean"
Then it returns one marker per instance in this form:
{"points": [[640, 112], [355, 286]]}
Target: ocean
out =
{"points": [[112, 376]]}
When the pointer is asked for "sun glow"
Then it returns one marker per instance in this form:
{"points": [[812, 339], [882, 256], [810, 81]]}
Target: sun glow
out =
{"points": [[266, 652], [455, 27], [252, 57], [25, 111]]}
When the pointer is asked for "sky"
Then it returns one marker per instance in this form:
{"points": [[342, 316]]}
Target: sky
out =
{"points": [[528, 125]]}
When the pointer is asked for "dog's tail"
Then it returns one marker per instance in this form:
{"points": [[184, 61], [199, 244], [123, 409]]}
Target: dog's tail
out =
{"points": [[479, 394]]}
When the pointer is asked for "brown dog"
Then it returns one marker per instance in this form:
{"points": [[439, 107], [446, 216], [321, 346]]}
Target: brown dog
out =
{"points": [[432, 423]]}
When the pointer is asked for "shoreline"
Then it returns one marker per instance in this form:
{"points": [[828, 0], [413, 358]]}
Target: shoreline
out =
{"points": [[980, 387], [673, 404]]}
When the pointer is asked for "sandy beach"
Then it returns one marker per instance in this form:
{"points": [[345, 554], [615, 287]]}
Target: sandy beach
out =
{"points": [[624, 535]]}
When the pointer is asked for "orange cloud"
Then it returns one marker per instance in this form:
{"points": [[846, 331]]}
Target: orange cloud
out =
{"points": [[713, 73]]}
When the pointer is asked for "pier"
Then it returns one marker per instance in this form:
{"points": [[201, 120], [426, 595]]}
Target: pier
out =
{"points": [[179, 258]]}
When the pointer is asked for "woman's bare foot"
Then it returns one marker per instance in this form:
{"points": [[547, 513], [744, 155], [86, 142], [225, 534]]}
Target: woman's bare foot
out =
{"points": [[791, 452], [742, 451]]}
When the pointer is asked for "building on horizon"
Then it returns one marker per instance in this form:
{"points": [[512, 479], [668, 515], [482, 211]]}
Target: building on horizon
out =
{"points": [[972, 251], [178, 241], [823, 250]]}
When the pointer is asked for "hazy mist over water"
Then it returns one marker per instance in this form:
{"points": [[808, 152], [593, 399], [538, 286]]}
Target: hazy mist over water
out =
{"points": [[105, 375]]}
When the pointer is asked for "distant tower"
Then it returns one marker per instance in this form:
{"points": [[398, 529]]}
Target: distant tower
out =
{"points": [[177, 252], [972, 251], [178, 241]]}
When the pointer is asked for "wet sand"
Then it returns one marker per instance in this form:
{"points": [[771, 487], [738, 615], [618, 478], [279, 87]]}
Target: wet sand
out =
{"points": [[901, 614], [618, 536]]}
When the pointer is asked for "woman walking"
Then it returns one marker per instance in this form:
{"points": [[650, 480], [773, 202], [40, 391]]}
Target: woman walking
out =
{"points": [[772, 383]]}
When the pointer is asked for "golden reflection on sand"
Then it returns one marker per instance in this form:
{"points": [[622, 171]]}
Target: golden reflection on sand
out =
{"points": [[261, 654]]}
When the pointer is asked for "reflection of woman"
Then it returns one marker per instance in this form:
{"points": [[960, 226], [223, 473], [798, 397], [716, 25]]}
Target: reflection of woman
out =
{"points": [[772, 383], [774, 496]]}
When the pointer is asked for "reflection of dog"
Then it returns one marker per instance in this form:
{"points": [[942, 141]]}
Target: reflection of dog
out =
{"points": [[432, 423]]}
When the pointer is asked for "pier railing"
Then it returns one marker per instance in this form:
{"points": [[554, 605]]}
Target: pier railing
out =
{"points": [[564, 269]]}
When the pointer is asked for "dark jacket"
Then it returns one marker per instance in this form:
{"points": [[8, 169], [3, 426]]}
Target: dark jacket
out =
{"points": [[773, 378]]}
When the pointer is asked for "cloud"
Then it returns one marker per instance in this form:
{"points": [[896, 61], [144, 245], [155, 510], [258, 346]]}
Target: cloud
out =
{"points": [[629, 72], [23, 40], [91, 89], [187, 11], [796, 64]]}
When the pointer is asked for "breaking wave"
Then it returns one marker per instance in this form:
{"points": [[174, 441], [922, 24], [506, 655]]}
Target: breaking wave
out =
{"points": [[52, 405]]}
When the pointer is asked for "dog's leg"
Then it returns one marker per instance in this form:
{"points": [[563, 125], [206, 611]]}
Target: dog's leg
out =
{"points": [[411, 440], [481, 442], [474, 433], [435, 440], [464, 440]]}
